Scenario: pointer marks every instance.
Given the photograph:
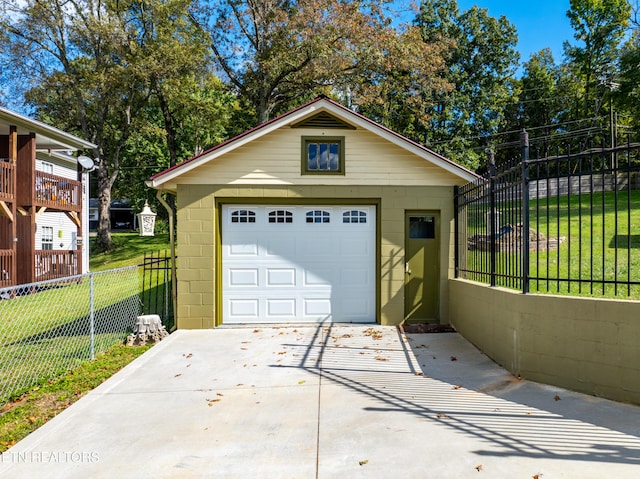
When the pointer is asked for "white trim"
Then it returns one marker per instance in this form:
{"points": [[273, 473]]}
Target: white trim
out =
{"points": [[53, 138]]}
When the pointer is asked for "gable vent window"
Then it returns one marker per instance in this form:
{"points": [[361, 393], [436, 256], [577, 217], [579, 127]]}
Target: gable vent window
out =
{"points": [[243, 216], [354, 216], [323, 155], [318, 216], [280, 216]]}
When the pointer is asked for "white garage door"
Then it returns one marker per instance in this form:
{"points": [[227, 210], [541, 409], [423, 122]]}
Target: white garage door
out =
{"points": [[303, 264]]}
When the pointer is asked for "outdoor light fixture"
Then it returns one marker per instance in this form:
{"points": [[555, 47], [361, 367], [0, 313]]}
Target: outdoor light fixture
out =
{"points": [[147, 220]]}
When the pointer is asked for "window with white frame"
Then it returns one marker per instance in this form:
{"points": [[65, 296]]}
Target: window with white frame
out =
{"points": [[46, 167], [47, 237]]}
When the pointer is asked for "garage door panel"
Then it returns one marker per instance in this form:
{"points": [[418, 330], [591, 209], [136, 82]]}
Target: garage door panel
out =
{"points": [[243, 277], [243, 249], [279, 277], [355, 277], [295, 271], [282, 308], [317, 277], [244, 308]]}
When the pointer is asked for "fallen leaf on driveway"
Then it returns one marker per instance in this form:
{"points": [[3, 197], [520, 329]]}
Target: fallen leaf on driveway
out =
{"points": [[380, 358], [453, 358], [256, 330], [179, 374], [442, 416], [212, 401], [301, 382], [362, 463], [557, 398], [479, 467], [537, 476], [457, 387], [419, 373], [244, 349]]}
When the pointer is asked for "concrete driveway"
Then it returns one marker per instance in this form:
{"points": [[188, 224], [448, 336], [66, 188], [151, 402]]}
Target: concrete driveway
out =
{"points": [[326, 402]]}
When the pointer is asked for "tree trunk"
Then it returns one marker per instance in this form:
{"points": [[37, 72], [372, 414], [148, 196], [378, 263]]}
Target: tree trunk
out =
{"points": [[103, 240]]}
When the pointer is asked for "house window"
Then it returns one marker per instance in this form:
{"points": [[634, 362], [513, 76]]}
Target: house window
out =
{"points": [[47, 237], [46, 167], [354, 216], [243, 216], [318, 216], [280, 216], [323, 155]]}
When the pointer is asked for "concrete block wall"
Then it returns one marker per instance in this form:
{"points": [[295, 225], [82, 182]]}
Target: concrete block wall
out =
{"points": [[589, 345], [197, 236]]}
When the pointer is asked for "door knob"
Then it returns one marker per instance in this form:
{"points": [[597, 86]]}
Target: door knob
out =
{"points": [[406, 268]]}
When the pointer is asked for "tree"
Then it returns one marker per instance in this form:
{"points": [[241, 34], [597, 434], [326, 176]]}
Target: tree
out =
{"points": [[73, 55], [481, 68], [599, 27], [278, 53], [97, 68]]}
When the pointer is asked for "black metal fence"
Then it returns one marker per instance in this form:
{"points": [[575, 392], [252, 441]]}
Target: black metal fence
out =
{"points": [[567, 223], [156, 287]]}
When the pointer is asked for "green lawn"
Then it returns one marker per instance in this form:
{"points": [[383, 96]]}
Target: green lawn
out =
{"points": [[598, 245], [45, 333], [129, 250], [41, 403]]}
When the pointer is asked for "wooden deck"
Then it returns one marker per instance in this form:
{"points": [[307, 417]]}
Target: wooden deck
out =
{"points": [[58, 193]]}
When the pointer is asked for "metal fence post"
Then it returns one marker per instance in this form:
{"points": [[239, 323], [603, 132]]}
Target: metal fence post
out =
{"points": [[524, 144], [492, 217], [456, 233], [92, 333]]}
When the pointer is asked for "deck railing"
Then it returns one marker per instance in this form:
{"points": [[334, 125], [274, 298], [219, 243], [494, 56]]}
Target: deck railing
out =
{"points": [[55, 264], [7, 187], [7, 257], [57, 192]]}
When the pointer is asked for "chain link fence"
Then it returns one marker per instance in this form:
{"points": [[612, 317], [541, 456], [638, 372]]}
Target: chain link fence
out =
{"points": [[48, 327]]}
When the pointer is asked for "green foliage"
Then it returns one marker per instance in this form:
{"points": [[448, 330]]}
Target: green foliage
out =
{"points": [[599, 27], [480, 67]]}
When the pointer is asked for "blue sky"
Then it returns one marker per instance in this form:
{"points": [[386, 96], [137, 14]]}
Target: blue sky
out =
{"points": [[540, 23]]}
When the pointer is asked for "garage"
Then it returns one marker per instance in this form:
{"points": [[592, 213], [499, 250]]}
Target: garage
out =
{"points": [[298, 264]]}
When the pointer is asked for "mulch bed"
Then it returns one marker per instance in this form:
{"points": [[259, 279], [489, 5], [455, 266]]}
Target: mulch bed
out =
{"points": [[420, 328]]}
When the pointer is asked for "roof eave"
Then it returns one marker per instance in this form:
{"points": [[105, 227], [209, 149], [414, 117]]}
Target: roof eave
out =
{"points": [[62, 140]]}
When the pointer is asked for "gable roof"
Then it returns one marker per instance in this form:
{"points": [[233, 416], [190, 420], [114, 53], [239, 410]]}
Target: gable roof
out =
{"points": [[297, 116]]}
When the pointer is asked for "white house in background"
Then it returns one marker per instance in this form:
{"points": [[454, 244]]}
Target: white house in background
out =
{"points": [[43, 202]]}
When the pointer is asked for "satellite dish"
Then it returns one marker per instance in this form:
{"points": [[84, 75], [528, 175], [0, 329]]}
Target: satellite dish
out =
{"points": [[86, 162]]}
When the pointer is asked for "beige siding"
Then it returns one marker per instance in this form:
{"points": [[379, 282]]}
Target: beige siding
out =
{"points": [[275, 160], [197, 236]]}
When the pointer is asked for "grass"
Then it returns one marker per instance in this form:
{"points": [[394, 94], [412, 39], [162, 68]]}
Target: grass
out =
{"points": [[129, 250], [599, 250], [24, 415], [45, 342]]}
